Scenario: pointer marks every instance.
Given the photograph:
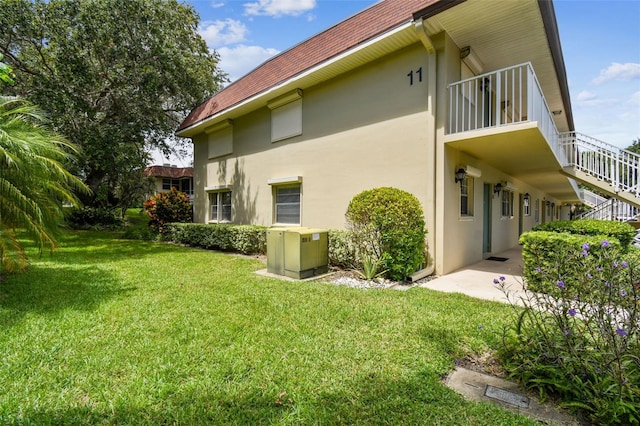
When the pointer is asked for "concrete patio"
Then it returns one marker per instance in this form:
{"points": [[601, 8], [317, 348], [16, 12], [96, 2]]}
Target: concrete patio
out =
{"points": [[477, 280]]}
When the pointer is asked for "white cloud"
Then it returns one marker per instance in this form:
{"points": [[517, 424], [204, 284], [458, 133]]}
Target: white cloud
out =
{"points": [[239, 60], [635, 99], [216, 4], [279, 7], [616, 71], [220, 33], [586, 96]]}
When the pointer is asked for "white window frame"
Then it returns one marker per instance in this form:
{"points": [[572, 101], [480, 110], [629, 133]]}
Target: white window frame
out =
{"points": [[506, 204], [216, 200], [467, 197], [276, 204]]}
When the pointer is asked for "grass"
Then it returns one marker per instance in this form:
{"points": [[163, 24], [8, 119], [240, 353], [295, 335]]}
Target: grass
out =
{"points": [[111, 331]]}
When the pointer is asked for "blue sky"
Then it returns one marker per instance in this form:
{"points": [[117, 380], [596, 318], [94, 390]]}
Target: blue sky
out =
{"points": [[600, 42]]}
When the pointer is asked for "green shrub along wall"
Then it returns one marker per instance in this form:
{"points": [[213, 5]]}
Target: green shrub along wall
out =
{"points": [[245, 239], [621, 231], [248, 239]]}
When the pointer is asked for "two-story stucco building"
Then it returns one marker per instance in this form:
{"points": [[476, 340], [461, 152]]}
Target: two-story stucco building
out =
{"points": [[460, 103]]}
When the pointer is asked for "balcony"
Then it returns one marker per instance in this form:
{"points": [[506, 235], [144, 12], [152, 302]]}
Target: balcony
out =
{"points": [[503, 119]]}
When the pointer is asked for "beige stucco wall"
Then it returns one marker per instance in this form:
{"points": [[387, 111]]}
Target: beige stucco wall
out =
{"points": [[360, 131], [366, 129]]}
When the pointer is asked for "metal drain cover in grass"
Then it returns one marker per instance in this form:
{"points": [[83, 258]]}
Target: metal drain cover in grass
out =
{"points": [[498, 259], [507, 396]]}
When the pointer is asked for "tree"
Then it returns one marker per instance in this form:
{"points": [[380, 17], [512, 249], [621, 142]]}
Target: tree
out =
{"points": [[635, 146], [116, 76], [34, 182]]}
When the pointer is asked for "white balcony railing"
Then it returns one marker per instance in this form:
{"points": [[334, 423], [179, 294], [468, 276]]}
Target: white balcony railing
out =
{"points": [[504, 97]]}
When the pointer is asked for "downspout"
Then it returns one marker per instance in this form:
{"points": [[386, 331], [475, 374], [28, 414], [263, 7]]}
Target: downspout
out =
{"points": [[421, 32]]}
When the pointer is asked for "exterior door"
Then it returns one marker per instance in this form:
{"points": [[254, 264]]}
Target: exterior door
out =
{"points": [[486, 217]]}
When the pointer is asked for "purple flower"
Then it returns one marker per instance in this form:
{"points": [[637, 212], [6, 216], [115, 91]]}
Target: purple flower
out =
{"points": [[589, 275], [538, 269], [586, 247], [599, 268], [621, 332], [624, 264], [480, 327], [585, 253], [615, 264], [605, 243], [561, 284], [572, 312], [623, 293], [502, 278], [607, 283], [567, 332], [495, 281]]}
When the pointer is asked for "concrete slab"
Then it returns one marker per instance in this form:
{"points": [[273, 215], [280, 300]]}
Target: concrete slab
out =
{"points": [[477, 280], [477, 386]]}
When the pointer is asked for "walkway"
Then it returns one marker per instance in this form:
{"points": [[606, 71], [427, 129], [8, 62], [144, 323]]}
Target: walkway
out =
{"points": [[477, 280]]}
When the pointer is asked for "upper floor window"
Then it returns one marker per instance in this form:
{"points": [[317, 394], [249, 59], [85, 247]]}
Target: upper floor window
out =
{"points": [[286, 116]]}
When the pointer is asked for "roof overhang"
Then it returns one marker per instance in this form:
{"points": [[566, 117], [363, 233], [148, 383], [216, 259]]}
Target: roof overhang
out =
{"points": [[389, 42]]}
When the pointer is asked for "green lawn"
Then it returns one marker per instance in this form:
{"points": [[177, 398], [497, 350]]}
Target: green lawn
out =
{"points": [[111, 331]]}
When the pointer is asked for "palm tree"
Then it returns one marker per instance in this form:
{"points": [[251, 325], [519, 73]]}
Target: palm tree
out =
{"points": [[34, 183]]}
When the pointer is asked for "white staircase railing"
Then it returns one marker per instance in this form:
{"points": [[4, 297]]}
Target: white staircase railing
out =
{"points": [[612, 209], [592, 199], [617, 167]]}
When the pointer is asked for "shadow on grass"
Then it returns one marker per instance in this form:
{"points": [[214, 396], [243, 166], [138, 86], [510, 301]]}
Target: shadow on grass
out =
{"points": [[371, 400], [47, 289]]}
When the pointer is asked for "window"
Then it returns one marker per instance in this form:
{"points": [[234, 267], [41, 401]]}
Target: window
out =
{"points": [[286, 116], [466, 196], [220, 203], [526, 206], [182, 185], [507, 203], [537, 210], [287, 204]]}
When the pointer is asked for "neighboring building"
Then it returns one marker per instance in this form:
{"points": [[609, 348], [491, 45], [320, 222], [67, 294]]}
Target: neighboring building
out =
{"points": [[464, 104], [168, 176]]}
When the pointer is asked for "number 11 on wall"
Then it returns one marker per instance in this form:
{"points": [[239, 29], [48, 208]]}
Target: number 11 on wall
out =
{"points": [[418, 74]]}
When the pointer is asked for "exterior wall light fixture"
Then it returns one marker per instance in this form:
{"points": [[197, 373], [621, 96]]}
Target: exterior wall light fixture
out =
{"points": [[527, 197], [461, 174], [497, 188]]}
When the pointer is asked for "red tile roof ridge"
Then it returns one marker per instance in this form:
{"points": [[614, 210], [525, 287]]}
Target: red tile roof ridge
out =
{"points": [[169, 172], [347, 34]]}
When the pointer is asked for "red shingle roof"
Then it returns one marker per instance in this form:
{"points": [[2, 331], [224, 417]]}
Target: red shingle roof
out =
{"points": [[169, 172], [367, 24]]}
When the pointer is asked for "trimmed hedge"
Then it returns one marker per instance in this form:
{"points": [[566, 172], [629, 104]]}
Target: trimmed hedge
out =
{"points": [[540, 251], [245, 239], [621, 231]]}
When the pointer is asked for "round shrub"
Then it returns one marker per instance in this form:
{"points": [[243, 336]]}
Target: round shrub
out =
{"points": [[388, 225], [167, 207]]}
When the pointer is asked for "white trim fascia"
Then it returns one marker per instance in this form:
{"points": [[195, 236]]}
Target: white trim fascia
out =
{"points": [[216, 188], [298, 77], [284, 180]]}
